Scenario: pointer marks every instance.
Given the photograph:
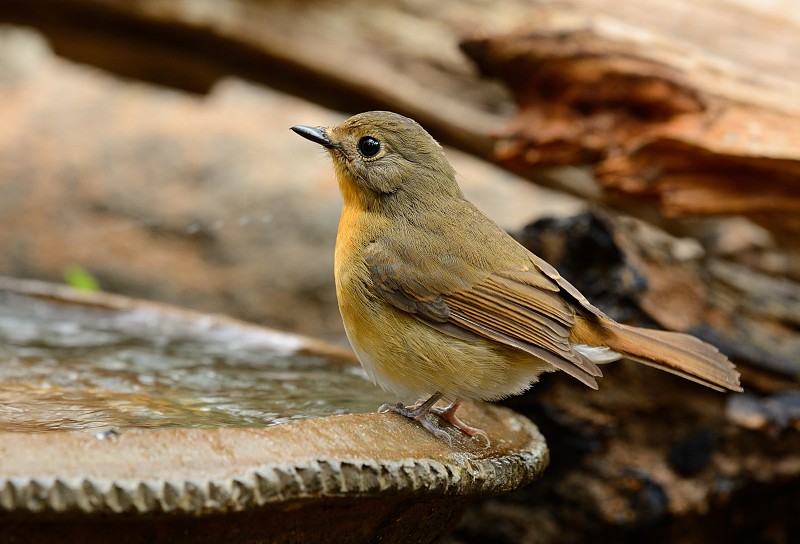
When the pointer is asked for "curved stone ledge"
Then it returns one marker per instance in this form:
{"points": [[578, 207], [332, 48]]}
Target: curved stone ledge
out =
{"points": [[213, 471], [112, 429]]}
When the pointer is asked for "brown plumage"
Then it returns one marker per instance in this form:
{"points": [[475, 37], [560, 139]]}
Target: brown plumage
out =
{"points": [[440, 302]]}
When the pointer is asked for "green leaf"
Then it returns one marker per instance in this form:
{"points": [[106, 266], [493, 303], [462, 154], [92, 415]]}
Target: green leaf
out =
{"points": [[80, 278]]}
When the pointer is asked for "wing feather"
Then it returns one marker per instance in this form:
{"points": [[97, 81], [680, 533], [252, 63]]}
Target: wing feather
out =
{"points": [[526, 324], [538, 323], [536, 351], [521, 309]]}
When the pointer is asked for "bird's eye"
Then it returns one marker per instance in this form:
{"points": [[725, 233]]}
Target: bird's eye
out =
{"points": [[368, 146]]}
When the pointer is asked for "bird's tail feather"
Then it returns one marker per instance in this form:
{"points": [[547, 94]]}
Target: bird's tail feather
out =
{"points": [[680, 354]]}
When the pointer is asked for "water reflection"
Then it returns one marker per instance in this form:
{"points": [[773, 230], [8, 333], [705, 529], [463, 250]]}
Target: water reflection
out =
{"points": [[71, 367]]}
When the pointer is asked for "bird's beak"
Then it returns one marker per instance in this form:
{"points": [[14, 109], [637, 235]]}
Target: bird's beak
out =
{"points": [[315, 134]]}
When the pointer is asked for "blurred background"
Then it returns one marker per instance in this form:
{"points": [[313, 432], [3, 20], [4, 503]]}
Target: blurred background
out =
{"points": [[648, 150]]}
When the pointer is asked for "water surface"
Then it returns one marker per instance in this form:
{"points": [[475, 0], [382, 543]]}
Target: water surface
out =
{"points": [[76, 367]]}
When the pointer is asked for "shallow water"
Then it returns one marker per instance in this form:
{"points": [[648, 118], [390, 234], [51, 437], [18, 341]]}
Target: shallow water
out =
{"points": [[76, 367]]}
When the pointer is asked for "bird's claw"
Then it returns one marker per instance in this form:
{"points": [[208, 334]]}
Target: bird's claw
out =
{"points": [[391, 408], [418, 414], [449, 414], [418, 411]]}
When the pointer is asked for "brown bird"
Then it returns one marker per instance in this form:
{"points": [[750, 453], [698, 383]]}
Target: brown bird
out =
{"points": [[439, 302]]}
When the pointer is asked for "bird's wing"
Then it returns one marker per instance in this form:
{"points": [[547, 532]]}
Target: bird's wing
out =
{"points": [[566, 287], [522, 309]]}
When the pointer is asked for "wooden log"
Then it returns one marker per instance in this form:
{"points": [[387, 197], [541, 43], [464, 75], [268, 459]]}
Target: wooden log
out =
{"points": [[666, 115], [349, 55]]}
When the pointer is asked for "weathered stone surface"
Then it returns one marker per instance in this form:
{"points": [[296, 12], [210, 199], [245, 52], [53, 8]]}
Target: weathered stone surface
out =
{"points": [[360, 476]]}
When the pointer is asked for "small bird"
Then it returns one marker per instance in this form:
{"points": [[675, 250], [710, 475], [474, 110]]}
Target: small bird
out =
{"points": [[439, 302]]}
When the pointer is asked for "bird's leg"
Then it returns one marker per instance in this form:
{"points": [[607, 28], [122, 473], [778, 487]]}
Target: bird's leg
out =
{"points": [[449, 414], [418, 413]]}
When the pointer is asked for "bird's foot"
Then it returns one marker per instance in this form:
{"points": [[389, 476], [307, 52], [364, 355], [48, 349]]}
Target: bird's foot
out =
{"points": [[418, 413], [449, 414]]}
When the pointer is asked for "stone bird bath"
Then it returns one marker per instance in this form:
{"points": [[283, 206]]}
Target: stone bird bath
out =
{"points": [[127, 421]]}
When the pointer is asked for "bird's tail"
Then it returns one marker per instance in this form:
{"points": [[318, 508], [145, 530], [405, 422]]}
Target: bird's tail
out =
{"points": [[678, 353]]}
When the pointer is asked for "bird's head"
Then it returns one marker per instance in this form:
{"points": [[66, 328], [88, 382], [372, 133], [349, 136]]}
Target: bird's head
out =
{"points": [[385, 161]]}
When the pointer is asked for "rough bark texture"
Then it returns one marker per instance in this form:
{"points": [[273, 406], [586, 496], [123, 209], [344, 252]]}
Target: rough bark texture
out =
{"points": [[666, 115], [349, 54], [676, 123], [641, 273]]}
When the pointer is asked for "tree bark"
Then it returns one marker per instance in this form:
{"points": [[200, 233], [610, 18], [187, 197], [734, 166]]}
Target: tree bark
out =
{"points": [[692, 109]]}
